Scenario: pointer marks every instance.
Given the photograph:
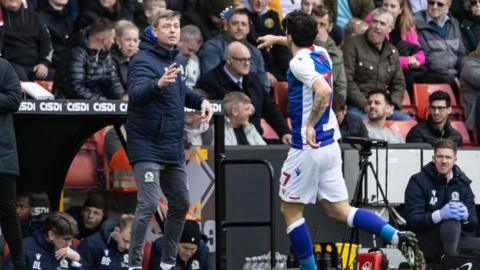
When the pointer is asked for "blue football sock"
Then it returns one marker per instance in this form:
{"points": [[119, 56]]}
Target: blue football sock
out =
{"points": [[302, 244], [372, 223]]}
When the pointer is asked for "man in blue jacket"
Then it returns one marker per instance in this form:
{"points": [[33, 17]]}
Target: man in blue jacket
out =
{"points": [[108, 248], [439, 204], [193, 253], [157, 97]]}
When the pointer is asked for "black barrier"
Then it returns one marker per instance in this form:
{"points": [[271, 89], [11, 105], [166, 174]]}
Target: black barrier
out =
{"points": [[50, 133]]}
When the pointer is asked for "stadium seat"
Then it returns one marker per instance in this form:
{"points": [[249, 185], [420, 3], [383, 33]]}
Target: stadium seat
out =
{"points": [[407, 106], [280, 96], [460, 126], [401, 126], [421, 92], [48, 85], [83, 170], [147, 251], [268, 132]]}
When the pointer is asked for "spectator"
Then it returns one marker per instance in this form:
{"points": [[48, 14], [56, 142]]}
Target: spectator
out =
{"points": [[307, 6], [150, 8], [404, 37], [96, 9], [237, 27], [190, 42], [9, 171], [238, 130], [470, 79], [233, 75], [55, 16], [354, 27], [350, 125], [192, 251], [126, 46], [344, 10], [470, 25], [50, 248], [26, 42], [437, 126], [441, 39], [206, 15], [379, 107], [91, 215], [87, 71], [24, 212], [372, 63], [439, 205], [324, 24], [157, 96], [108, 248], [265, 21]]}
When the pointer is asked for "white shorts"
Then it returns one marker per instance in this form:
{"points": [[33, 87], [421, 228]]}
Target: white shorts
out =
{"points": [[309, 174]]}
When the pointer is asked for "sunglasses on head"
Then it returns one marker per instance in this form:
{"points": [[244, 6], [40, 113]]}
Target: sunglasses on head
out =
{"points": [[439, 4]]}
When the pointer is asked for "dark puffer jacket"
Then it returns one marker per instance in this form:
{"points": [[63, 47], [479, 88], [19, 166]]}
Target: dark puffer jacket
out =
{"points": [[155, 116], [9, 103], [59, 27], [87, 74], [426, 192]]}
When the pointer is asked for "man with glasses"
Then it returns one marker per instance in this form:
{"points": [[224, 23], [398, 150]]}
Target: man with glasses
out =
{"points": [[437, 125], [439, 204], [236, 28], [234, 74], [441, 39]]}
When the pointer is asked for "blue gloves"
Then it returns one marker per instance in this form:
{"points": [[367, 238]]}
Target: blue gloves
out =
{"points": [[455, 211]]}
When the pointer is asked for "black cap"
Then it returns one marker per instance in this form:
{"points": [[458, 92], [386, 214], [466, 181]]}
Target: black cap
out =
{"points": [[191, 233]]}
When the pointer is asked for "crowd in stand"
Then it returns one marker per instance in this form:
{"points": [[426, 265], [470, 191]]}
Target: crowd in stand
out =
{"points": [[85, 47], [235, 51]]}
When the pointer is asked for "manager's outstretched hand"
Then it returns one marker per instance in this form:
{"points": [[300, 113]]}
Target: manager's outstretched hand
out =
{"points": [[206, 111]]}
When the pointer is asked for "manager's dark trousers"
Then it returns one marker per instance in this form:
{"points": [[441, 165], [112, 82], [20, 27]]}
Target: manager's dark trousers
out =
{"points": [[445, 239], [9, 219]]}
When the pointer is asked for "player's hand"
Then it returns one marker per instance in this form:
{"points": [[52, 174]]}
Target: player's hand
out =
{"points": [[311, 137], [287, 138], [67, 252], [206, 111], [266, 42], [41, 71], [169, 76]]}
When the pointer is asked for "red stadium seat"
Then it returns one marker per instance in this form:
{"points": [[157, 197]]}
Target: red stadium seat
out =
{"points": [[280, 96], [407, 106], [268, 132], [83, 170], [147, 251], [421, 92], [401, 126], [460, 126]]}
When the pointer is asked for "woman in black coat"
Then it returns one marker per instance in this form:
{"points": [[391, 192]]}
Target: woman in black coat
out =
{"points": [[9, 103]]}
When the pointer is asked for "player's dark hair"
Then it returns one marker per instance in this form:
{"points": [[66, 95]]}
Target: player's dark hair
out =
{"points": [[301, 27], [60, 223], [338, 103]]}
